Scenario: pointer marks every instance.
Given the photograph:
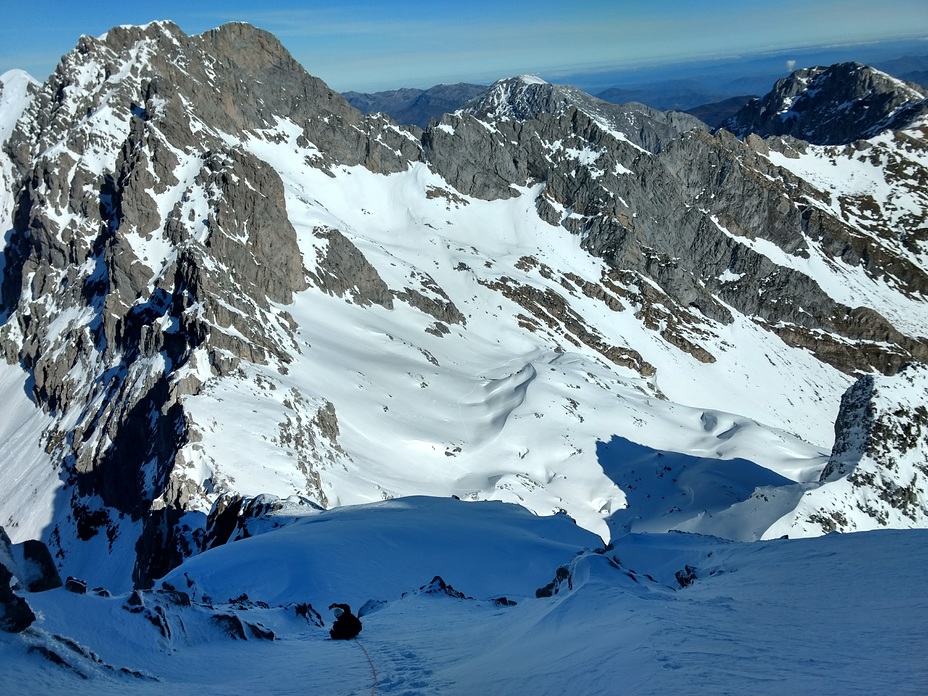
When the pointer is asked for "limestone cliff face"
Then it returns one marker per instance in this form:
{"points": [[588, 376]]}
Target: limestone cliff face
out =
{"points": [[676, 205], [877, 475], [831, 105], [126, 150]]}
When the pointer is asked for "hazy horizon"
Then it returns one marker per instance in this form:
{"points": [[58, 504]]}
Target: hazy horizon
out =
{"points": [[374, 45]]}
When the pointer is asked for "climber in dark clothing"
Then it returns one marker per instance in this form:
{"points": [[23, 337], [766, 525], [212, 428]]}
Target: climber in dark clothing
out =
{"points": [[346, 625]]}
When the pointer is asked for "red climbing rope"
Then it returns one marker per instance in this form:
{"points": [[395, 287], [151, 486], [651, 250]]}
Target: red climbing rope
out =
{"points": [[371, 663]]}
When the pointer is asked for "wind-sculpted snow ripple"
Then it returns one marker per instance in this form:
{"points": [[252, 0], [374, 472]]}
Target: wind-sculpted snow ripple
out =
{"points": [[494, 402]]}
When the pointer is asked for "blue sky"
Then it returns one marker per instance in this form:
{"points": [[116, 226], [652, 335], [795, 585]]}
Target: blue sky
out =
{"points": [[369, 45]]}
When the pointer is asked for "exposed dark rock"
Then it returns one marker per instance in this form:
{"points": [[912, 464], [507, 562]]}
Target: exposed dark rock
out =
{"points": [[231, 625], [222, 520], [713, 191], [439, 587], [55, 659], [176, 597], [548, 308], [686, 577], [342, 270], [237, 629], [159, 619], [504, 602], [439, 305], [256, 630], [852, 429], [7, 563], [30, 563], [75, 585], [307, 612], [229, 518], [527, 98], [42, 574], [562, 577], [135, 602], [242, 602], [15, 613], [832, 105]]}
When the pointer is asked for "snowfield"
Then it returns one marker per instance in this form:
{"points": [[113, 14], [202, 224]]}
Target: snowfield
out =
{"points": [[835, 614]]}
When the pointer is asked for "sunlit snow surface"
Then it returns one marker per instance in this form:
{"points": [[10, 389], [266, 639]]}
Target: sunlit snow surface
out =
{"points": [[874, 190], [836, 614], [491, 410]]}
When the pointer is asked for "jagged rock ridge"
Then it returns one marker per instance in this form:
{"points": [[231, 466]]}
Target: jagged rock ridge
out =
{"points": [[120, 153], [877, 475], [832, 105], [602, 178]]}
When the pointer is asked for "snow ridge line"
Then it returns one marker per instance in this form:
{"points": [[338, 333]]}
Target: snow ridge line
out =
{"points": [[371, 663]]}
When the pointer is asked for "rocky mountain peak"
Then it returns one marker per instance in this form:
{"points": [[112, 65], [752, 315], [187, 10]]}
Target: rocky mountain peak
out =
{"points": [[521, 98], [161, 245], [831, 105], [128, 35], [527, 98]]}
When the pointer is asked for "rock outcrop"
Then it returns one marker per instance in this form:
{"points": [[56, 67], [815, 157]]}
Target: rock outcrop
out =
{"points": [[25, 567], [877, 474], [831, 105], [125, 151], [657, 196]]}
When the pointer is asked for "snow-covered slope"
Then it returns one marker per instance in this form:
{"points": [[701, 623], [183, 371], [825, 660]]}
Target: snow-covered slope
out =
{"points": [[222, 282], [841, 613], [16, 90]]}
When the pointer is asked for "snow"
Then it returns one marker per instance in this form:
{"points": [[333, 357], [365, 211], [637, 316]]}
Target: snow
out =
{"points": [[14, 98], [33, 478], [475, 423], [491, 411], [413, 540], [841, 613], [846, 284]]}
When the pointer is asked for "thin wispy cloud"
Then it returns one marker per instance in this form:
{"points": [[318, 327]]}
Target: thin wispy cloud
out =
{"points": [[366, 44]]}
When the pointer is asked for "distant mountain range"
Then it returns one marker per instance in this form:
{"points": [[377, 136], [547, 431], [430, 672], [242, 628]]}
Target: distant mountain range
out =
{"points": [[415, 107], [710, 99]]}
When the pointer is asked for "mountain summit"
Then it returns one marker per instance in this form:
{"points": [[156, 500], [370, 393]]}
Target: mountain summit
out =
{"points": [[832, 105]]}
